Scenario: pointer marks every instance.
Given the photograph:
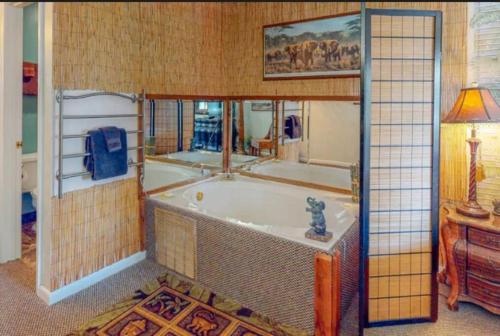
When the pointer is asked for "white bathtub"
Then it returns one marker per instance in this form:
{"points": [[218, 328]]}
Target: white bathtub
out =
{"points": [[213, 159], [274, 208], [329, 176], [160, 174]]}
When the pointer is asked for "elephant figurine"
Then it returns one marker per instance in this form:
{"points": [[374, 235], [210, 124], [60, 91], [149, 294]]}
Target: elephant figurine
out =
{"points": [[318, 223]]}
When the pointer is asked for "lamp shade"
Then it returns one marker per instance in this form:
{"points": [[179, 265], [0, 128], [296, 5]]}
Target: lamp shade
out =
{"points": [[474, 105]]}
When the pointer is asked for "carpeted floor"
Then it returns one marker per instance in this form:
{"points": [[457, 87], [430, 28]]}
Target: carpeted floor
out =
{"points": [[470, 320], [23, 314]]}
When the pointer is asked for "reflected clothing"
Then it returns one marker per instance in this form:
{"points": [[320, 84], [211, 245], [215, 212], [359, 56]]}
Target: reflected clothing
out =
{"points": [[293, 127]]}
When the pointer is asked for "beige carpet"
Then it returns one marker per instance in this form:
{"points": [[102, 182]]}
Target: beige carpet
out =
{"points": [[22, 313], [470, 320]]}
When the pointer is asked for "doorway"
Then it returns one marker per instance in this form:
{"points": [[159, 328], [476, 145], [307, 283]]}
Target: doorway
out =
{"points": [[29, 135], [19, 123]]}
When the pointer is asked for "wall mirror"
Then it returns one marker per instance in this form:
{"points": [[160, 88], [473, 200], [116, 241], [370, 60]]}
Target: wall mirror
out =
{"points": [[183, 140], [253, 132], [311, 143]]}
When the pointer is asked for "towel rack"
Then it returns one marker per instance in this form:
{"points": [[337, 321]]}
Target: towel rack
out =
{"points": [[283, 114], [60, 97]]}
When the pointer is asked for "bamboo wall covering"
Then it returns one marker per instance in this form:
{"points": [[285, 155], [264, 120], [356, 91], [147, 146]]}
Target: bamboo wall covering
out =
{"points": [[127, 47], [175, 237], [93, 228]]}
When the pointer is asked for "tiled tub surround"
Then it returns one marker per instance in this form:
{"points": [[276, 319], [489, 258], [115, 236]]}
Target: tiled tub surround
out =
{"points": [[268, 268]]}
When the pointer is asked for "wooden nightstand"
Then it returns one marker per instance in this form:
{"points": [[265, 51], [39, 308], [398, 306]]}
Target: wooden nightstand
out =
{"points": [[472, 260]]}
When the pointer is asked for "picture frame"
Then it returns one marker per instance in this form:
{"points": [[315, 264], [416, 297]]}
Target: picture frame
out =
{"points": [[262, 106], [321, 47]]}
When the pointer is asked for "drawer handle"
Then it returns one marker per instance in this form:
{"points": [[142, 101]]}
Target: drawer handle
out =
{"points": [[493, 264]]}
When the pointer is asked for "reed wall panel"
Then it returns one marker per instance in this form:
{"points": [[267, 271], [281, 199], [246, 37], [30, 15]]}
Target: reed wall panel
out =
{"points": [[97, 46], [93, 228], [181, 48], [127, 47]]}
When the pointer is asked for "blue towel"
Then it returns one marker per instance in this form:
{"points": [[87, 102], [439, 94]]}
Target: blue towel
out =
{"points": [[101, 163], [112, 138]]}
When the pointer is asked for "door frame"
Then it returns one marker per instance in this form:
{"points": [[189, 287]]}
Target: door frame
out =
{"points": [[11, 63], [45, 108], [45, 148]]}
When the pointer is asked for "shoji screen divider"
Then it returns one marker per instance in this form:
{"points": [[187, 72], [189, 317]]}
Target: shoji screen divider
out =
{"points": [[400, 166]]}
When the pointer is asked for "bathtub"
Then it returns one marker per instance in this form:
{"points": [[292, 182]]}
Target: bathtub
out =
{"points": [[329, 176], [160, 174], [250, 242], [213, 159], [280, 207]]}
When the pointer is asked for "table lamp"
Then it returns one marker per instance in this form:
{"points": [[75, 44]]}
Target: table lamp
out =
{"points": [[473, 105]]}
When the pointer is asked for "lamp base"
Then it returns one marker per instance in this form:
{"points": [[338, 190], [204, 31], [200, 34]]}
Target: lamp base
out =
{"points": [[472, 209]]}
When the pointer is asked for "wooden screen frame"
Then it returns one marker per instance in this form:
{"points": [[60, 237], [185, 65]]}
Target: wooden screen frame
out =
{"points": [[365, 163]]}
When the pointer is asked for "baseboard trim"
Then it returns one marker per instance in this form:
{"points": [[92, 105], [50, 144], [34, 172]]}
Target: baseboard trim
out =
{"points": [[51, 298]]}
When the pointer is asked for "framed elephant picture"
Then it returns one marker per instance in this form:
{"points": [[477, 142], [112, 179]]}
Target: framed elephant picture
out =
{"points": [[322, 47]]}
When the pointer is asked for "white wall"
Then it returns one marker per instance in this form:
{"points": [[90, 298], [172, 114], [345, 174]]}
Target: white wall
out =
{"points": [[257, 123], [334, 132], [91, 106], [29, 172], [11, 63]]}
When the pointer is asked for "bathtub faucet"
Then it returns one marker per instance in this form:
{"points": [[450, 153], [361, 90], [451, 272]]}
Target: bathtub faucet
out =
{"points": [[227, 176], [318, 223]]}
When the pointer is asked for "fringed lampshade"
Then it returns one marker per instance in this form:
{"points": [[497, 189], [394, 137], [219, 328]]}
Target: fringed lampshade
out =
{"points": [[474, 105]]}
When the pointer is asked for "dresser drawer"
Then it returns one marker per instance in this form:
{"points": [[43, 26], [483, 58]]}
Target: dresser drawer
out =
{"points": [[484, 238], [483, 290], [484, 262]]}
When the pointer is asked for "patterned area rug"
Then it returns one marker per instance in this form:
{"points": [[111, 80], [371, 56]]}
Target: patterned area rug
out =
{"points": [[173, 307]]}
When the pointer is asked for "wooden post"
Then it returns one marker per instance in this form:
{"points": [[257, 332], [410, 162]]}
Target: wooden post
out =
{"points": [[327, 294], [276, 127], [140, 168], [241, 128], [226, 137]]}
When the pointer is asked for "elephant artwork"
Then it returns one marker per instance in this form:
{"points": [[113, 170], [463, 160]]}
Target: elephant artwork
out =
{"points": [[323, 47], [331, 52], [292, 51], [307, 49]]}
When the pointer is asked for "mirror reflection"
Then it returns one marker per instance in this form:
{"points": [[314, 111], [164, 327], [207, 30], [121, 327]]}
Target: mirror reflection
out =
{"points": [[183, 140], [253, 131], [311, 143]]}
